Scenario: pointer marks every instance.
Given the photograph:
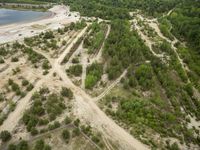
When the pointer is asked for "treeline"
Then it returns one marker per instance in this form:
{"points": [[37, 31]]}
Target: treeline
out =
{"points": [[110, 9], [29, 1], [97, 9]]}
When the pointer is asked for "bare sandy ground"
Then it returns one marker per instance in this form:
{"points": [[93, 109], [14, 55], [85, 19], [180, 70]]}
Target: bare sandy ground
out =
{"points": [[60, 15]]}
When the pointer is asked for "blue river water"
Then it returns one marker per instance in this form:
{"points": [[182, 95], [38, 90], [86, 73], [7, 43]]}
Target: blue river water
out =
{"points": [[9, 16]]}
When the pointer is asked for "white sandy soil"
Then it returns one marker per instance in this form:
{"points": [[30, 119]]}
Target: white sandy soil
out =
{"points": [[60, 15]]}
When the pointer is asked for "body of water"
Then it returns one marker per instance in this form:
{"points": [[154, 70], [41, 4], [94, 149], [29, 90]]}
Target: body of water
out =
{"points": [[9, 16]]}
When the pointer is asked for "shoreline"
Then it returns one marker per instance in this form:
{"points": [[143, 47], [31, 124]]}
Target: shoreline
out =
{"points": [[58, 17]]}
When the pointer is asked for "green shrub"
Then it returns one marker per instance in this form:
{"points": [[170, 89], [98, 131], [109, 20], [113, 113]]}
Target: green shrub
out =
{"points": [[1, 60], [15, 87], [43, 122], [76, 132], [47, 147], [90, 81], [77, 122], [94, 73], [75, 60], [144, 76], [95, 139], [39, 145], [25, 82], [66, 92], [34, 131], [53, 126], [45, 65], [66, 134], [75, 70], [12, 147], [5, 136], [23, 145], [14, 59], [30, 87], [67, 120]]}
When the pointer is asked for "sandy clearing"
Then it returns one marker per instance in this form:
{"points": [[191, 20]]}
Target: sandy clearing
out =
{"points": [[11, 122], [85, 107], [22, 104], [60, 16]]}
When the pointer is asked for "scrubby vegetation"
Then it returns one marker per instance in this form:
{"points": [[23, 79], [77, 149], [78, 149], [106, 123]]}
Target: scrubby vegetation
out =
{"points": [[5, 136], [46, 106], [75, 70], [155, 97], [40, 144], [66, 92], [24, 145]]}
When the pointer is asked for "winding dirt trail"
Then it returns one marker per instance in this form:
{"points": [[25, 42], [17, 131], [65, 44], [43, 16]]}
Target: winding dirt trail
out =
{"points": [[148, 42], [154, 25]]}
